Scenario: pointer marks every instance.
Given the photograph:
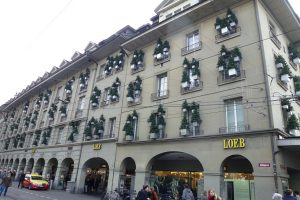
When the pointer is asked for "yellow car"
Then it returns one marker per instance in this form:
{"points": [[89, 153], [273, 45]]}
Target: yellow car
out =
{"points": [[35, 181]]}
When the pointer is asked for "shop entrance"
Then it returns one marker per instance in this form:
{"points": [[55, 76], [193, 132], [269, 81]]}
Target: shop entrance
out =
{"points": [[51, 170], [171, 170], [127, 176], [238, 180], [22, 166], [293, 181], [95, 176], [66, 171]]}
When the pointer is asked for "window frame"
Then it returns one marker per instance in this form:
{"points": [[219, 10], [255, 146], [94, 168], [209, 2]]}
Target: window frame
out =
{"points": [[236, 102]]}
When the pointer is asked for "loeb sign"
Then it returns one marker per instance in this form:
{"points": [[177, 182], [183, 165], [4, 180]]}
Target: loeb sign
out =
{"points": [[234, 143]]}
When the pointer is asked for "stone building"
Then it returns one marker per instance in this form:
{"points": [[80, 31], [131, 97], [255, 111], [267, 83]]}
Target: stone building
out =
{"points": [[206, 95]]}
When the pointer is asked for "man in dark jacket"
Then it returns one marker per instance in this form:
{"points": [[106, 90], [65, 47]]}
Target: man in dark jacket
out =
{"points": [[289, 195], [6, 181], [144, 193], [22, 177]]}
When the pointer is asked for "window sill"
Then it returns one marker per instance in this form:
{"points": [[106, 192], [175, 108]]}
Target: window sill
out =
{"points": [[282, 84], [220, 38], [187, 50], [155, 97], [222, 81], [193, 89], [241, 128]]}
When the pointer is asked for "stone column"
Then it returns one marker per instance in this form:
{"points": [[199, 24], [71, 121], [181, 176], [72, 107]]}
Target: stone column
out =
{"points": [[212, 180], [140, 179], [57, 177]]}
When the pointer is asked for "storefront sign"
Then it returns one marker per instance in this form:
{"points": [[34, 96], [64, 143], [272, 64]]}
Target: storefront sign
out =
{"points": [[97, 146], [264, 165], [234, 143], [33, 151]]}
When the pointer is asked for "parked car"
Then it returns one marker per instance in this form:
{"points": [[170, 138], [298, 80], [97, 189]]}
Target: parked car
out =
{"points": [[35, 181]]}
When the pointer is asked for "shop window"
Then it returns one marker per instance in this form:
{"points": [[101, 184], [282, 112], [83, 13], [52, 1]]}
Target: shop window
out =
{"points": [[234, 115]]}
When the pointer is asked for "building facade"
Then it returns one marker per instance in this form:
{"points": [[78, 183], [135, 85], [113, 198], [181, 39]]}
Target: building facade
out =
{"points": [[205, 95]]}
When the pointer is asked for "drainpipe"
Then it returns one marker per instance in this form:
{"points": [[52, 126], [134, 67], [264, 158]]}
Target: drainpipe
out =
{"points": [[270, 113], [87, 114]]}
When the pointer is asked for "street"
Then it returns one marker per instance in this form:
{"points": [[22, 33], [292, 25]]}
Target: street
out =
{"points": [[24, 194]]}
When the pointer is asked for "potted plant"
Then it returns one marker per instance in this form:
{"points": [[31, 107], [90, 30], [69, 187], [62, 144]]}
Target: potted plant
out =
{"points": [[231, 18], [185, 80], [63, 111], [128, 128], [185, 63], [237, 56], [221, 64], [130, 93], [285, 103], [161, 122], [134, 114], [195, 70], [140, 58], [137, 85], [224, 52], [185, 107], [294, 55], [293, 125], [231, 67], [218, 23], [285, 74], [166, 47], [279, 61], [153, 127], [158, 51], [224, 27], [134, 61], [88, 132], [184, 127], [195, 119]]}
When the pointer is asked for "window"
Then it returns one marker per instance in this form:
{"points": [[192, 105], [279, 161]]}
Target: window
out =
{"points": [[101, 74], [168, 15], [177, 11], [273, 35], [59, 135], [186, 6], [134, 125], [162, 85], [106, 96], [234, 115], [193, 40], [58, 93], [81, 103], [112, 123]]}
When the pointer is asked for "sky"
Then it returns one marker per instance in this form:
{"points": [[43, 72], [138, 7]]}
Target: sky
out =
{"points": [[36, 35]]}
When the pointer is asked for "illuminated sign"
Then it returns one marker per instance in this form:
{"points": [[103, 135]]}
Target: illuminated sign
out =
{"points": [[97, 146], [234, 143]]}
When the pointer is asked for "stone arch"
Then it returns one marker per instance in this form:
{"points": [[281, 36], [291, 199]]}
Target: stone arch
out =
{"points": [[127, 175]]}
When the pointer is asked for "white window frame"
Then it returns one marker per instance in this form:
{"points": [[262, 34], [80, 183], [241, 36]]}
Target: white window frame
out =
{"points": [[112, 126], [193, 40], [237, 124], [81, 103], [162, 84]]}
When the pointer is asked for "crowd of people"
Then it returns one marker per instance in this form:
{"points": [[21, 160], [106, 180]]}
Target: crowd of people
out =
{"points": [[92, 183], [289, 194]]}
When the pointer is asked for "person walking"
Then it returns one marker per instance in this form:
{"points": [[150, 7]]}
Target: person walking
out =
{"points": [[7, 182], [276, 196], [212, 195], [143, 193], [289, 195], [152, 194], [22, 178], [187, 193], [297, 195]]}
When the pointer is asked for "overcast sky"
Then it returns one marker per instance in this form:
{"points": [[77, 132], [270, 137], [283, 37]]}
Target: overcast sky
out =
{"points": [[39, 34]]}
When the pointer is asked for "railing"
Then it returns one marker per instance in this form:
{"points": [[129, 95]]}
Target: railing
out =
{"points": [[160, 95], [166, 58], [224, 78], [136, 101], [275, 40], [191, 48], [192, 131], [198, 85], [140, 67], [234, 129], [233, 32]]}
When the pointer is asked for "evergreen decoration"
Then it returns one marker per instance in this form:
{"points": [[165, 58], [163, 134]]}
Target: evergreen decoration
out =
{"points": [[68, 86], [63, 110], [285, 70], [37, 138], [185, 77], [113, 92], [221, 62], [286, 104], [88, 131], [26, 106], [134, 114], [294, 54], [38, 101], [137, 84], [95, 97], [52, 110], [27, 120], [184, 122], [195, 113], [152, 121], [161, 120], [195, 67], [46, 96], [101, 123], [15, 142], [229, 60], [228, 24], [74, 125], [231, 64], [83, 79], [130, 91], [280, 59], [128, 128], [160, 110], [224, 51], [292, 123], [236, 53], [185, 106], [231, 17], [186, 63], [161, 50], [46, 135], [109, 65]]}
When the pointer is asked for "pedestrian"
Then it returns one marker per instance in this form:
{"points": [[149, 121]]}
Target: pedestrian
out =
{"points": [[297, 195], [7, 182], [289, 195], [187, 193], [86, 183], [212, 195], [152, 194], [22, 178], [276, 196], [143, 194]]}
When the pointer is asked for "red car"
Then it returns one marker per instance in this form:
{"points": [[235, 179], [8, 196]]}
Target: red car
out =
{"points": [[35, 181]]}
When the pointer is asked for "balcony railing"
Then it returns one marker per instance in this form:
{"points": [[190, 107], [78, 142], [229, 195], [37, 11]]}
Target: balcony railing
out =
{"points": [[275, 40], [139, 68], [192, 131], [234, 129], [233, 32], [164, 59], [198, 85], [224, 78], [136, 101], [160, 95], [191, 48]]}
